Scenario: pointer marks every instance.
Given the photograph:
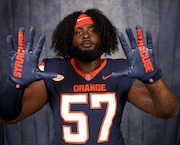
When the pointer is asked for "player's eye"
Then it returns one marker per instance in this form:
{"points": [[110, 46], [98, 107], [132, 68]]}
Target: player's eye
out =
{"points": [[92, 30], [78, 32]]}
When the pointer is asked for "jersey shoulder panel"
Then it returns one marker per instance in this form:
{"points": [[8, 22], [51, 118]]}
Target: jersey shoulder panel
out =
{"points": [[118, 63], [55, 64]]}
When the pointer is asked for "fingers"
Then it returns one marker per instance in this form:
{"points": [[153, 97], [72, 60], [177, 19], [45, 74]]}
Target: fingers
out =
{"points": [[21, 37], [10, 46], [140, 37], [39, 46], [143, 51], [124, 43], [30, 39], [149, 40], [131, 38]]}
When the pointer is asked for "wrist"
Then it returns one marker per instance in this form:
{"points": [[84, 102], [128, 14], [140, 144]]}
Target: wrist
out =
{"points": [[154, 78], [11, 100]]}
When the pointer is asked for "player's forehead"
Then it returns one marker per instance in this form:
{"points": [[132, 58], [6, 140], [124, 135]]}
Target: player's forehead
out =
{"points": [[85, 27]]}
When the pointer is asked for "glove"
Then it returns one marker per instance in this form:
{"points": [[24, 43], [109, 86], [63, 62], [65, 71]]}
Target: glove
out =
{"points": [[23, 70], [24, 62], [141, 57]]}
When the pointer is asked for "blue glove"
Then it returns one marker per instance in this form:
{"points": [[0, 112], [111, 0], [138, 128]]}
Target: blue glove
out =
{"points": [[24, 62], [140, 56], [23, 70]]}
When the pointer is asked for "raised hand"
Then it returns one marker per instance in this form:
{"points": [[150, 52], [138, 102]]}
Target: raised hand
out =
{"points": [[24, 62], [140, 56]]}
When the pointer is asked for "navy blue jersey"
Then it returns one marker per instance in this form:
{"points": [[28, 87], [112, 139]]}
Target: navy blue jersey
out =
{"points": [[87, 108]]}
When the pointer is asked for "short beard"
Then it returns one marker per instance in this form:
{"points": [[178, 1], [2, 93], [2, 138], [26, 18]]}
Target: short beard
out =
{"points": [[87, 55]]}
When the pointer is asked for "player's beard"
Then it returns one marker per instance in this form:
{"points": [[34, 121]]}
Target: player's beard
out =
{"points": [[87, 55]]}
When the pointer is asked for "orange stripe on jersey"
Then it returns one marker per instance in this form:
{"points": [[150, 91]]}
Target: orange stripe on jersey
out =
{"points": [[90, 75]]}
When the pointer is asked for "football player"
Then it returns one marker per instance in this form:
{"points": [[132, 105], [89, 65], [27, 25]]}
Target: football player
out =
{"points": [[87, 93]]}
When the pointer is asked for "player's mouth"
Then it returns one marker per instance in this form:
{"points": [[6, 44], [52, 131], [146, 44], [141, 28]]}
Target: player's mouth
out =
{"points": [[87, 44]]}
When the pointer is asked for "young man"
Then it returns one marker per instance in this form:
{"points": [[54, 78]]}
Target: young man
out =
{"points": [[87, 94]]}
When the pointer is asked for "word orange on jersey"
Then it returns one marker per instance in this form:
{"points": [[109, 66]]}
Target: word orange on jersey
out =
{"points": [[89, 87]]}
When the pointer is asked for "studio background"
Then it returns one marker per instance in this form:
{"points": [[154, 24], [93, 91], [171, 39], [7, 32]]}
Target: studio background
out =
{"points": [[162, 17]]}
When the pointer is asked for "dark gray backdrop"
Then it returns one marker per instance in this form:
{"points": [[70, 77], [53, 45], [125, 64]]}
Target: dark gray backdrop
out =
{"points": [[160, 16]]}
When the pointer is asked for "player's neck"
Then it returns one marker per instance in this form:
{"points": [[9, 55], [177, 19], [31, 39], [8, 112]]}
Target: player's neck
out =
{"points": [[88, 67]]}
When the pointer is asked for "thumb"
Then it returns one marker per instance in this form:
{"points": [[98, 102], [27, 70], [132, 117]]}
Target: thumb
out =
{"points": [[49, 75], [127, 72]]}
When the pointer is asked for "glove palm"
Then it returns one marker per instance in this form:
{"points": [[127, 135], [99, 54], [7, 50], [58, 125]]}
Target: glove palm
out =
{"points": [[140, 56], [24, 62]]}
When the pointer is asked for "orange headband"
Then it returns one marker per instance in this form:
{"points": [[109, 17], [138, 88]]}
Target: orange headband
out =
{"points": [[83, 19]]}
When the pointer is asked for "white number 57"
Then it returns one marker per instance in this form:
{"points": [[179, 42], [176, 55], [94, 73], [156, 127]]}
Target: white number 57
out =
{"points": [[81, 136]]}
